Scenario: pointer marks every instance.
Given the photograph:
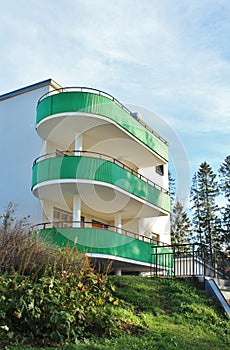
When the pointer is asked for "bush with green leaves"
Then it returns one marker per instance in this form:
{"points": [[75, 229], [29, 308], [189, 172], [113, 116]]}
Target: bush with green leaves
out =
{"points": [[48, 293], [63, 308]]}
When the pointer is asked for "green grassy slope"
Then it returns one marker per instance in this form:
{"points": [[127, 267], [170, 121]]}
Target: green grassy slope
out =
{"points": [[163, 314], [170, 314]]}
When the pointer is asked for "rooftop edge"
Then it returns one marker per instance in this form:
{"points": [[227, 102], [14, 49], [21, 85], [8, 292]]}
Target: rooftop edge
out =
{"points": [[30, 88]]}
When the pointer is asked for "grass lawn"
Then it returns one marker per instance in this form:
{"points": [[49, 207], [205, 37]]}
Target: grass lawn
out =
{"points": [[161, 314]]}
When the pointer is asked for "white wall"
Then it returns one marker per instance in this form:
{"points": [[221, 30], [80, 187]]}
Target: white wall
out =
{"points": [[159, 225], [19, 146], [152, 175]]}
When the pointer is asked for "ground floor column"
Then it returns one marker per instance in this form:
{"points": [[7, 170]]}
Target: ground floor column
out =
{"points": [[76, 210], [118, 222], [78, 144], [118, 272]]}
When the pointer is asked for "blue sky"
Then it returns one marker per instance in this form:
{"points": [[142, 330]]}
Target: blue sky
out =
{"points": [[171, 57]]}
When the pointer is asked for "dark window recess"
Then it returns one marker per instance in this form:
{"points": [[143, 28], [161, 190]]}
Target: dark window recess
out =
{"points": [[82, 221], [160, 169], [98, 224], [155, 238]]}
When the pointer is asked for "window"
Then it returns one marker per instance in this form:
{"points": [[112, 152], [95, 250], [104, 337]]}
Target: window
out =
{"points": [[82, 221], [98, 224], [155, 238], [160, 169], [63, 218]]}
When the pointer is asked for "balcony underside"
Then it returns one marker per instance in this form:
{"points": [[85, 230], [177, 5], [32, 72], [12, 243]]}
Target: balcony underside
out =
{"points": [[101, 110], [103, 186], [97, 199], [101, 244], [99, 134]]}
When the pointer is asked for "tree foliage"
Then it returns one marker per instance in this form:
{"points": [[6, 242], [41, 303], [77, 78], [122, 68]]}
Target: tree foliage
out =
{"points": [[204, 192], [179, 220], [224, 174], [180, 225], [172, 188]]}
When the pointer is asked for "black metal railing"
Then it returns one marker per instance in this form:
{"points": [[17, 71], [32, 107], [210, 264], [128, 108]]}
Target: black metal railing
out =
{"points": [[102, 93], [193, 259], [93, 225], [106, 157]]}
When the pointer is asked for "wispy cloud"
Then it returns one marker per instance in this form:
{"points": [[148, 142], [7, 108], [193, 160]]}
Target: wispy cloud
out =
{"points": [[170, 56]]}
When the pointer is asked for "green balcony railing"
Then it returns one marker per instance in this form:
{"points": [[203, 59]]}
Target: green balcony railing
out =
{"points": [[103, 241], [96, 168], [97, 102]]}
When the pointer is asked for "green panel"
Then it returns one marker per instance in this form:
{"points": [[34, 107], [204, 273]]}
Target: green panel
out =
{"points": [[93, 103], [71, 167], [92, 240]]}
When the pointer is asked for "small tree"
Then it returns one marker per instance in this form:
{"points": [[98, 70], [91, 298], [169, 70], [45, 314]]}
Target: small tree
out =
{"points": [[180, 225], [9, 221], [204, 192]]}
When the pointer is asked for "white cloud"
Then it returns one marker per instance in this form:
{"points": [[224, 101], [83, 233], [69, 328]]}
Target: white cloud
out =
{"points": [[170, 56]]}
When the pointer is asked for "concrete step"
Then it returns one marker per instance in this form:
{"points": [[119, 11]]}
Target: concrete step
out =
{"points": [[224, 286], [222, 283], [213, 290], [226, 293]]}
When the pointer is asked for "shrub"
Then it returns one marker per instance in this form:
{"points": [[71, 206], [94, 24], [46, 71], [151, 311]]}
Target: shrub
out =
{"points": [[20, 251], [61, 309], [31, 255], [48, 293]]}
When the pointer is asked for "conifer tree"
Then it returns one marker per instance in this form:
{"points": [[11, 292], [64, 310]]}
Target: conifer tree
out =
{"points": [[197, 219], [172, 188], [224, 173], [204, 192], [180, 225], [179, 220]]}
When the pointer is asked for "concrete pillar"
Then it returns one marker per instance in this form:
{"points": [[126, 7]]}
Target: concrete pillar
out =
{"points": [[118, 221], [78, 144], [76, 210], [118, 272]]}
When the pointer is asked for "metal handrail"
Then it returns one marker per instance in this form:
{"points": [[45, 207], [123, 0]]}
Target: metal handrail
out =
{"points": [[193, 259], [76, 153], [102, 93], [89, 224]]}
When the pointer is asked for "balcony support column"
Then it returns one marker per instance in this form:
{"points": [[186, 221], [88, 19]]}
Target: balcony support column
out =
{"points": [[118, 272], [78, 144], [76, 210], [118, 222]]}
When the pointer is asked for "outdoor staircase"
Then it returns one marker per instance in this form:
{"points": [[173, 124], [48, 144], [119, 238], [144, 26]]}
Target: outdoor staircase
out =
{"points": [[219, 290], [209, 266], [224, 286]]}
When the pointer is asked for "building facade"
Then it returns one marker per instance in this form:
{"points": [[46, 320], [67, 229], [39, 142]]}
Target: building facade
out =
{"points": [[20, 145], [100, 176]]}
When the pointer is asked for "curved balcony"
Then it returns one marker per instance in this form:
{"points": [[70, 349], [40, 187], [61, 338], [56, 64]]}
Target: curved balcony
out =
{"points": [[108, 242], [71, 102], [90, 169]]}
